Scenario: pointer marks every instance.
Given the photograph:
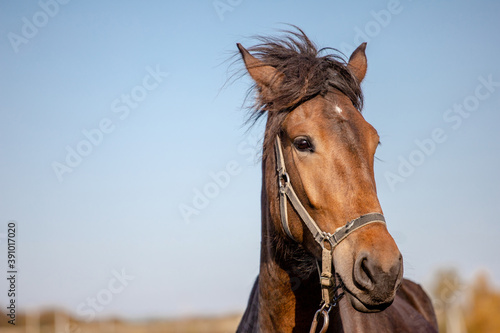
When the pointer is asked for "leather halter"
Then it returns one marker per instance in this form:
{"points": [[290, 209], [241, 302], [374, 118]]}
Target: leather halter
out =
{"points": [[327, 279]]}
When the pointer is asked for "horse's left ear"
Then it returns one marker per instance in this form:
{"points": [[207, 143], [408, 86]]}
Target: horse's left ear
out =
{"points": [[357, 62]]}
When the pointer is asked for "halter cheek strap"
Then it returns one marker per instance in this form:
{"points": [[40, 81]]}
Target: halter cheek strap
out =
{"points": [[327, 279], [286, 192]]}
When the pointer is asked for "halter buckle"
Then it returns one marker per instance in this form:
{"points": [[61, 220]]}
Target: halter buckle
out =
{"points": [[283, 179], [326, 279]]}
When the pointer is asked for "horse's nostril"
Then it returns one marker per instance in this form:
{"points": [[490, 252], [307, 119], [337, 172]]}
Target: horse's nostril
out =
{"points": [[380, 282], [363, 275], [365, 269]]}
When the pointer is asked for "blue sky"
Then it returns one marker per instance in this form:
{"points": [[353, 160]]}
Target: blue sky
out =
{"points": [[137, 91]]}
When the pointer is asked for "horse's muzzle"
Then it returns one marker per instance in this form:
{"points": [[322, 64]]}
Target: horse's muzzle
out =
{"points": [[376, 283]]}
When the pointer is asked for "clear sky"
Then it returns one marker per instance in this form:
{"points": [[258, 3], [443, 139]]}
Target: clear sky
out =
{"points": [[114, 118]]}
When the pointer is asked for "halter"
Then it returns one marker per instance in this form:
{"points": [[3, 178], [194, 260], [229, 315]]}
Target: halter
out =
{"points": [[327, 279]]}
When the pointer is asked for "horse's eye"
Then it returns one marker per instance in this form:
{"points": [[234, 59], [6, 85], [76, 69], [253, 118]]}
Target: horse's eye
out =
{"points": [[303, 144]]}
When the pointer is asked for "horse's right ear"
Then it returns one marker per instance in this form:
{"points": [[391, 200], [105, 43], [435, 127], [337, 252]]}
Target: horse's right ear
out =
{"points": [[264, 75]]}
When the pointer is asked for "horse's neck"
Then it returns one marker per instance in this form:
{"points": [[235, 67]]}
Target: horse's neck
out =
{"points": [[287, 303], [287, 299]]}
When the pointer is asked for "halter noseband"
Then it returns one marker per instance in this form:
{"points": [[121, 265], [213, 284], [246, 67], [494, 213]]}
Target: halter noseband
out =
{"points": [[327, 279]]}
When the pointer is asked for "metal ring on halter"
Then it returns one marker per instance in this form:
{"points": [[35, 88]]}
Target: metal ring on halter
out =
{"points": [[333, 242], [330, 238], [326, 238], [324, 310]]}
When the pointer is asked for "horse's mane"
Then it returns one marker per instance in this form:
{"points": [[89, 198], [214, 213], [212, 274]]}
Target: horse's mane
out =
{"points": [[307, 74]]}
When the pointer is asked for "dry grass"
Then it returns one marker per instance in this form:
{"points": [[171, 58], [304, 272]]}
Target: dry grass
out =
{"points": [[57, 321]]}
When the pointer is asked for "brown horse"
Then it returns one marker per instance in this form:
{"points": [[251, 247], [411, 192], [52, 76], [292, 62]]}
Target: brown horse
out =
{"points": [[317, 166]]}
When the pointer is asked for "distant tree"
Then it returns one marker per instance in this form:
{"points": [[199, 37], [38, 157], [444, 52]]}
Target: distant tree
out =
{"points": [[447, 294], [483, 306]]}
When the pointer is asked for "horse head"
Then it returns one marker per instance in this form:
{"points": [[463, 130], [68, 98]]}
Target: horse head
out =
{"points": [[313, 104]]}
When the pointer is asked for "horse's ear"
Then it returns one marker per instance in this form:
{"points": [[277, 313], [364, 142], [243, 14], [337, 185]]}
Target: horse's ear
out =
{"points": [[357, 62], [264, 75]]}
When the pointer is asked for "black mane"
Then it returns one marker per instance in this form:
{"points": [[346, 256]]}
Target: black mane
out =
{"points": [[306, 73]]}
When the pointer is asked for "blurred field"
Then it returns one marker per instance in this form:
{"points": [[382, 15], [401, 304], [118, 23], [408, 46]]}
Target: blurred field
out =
{"points": [[461, 307], [60, 322]]}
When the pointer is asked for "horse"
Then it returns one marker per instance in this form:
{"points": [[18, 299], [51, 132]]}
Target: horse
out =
{"points": [[327, 259]]}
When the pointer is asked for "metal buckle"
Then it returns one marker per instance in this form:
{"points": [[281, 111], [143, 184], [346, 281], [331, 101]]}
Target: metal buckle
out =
{"points": [[283, 180]]}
